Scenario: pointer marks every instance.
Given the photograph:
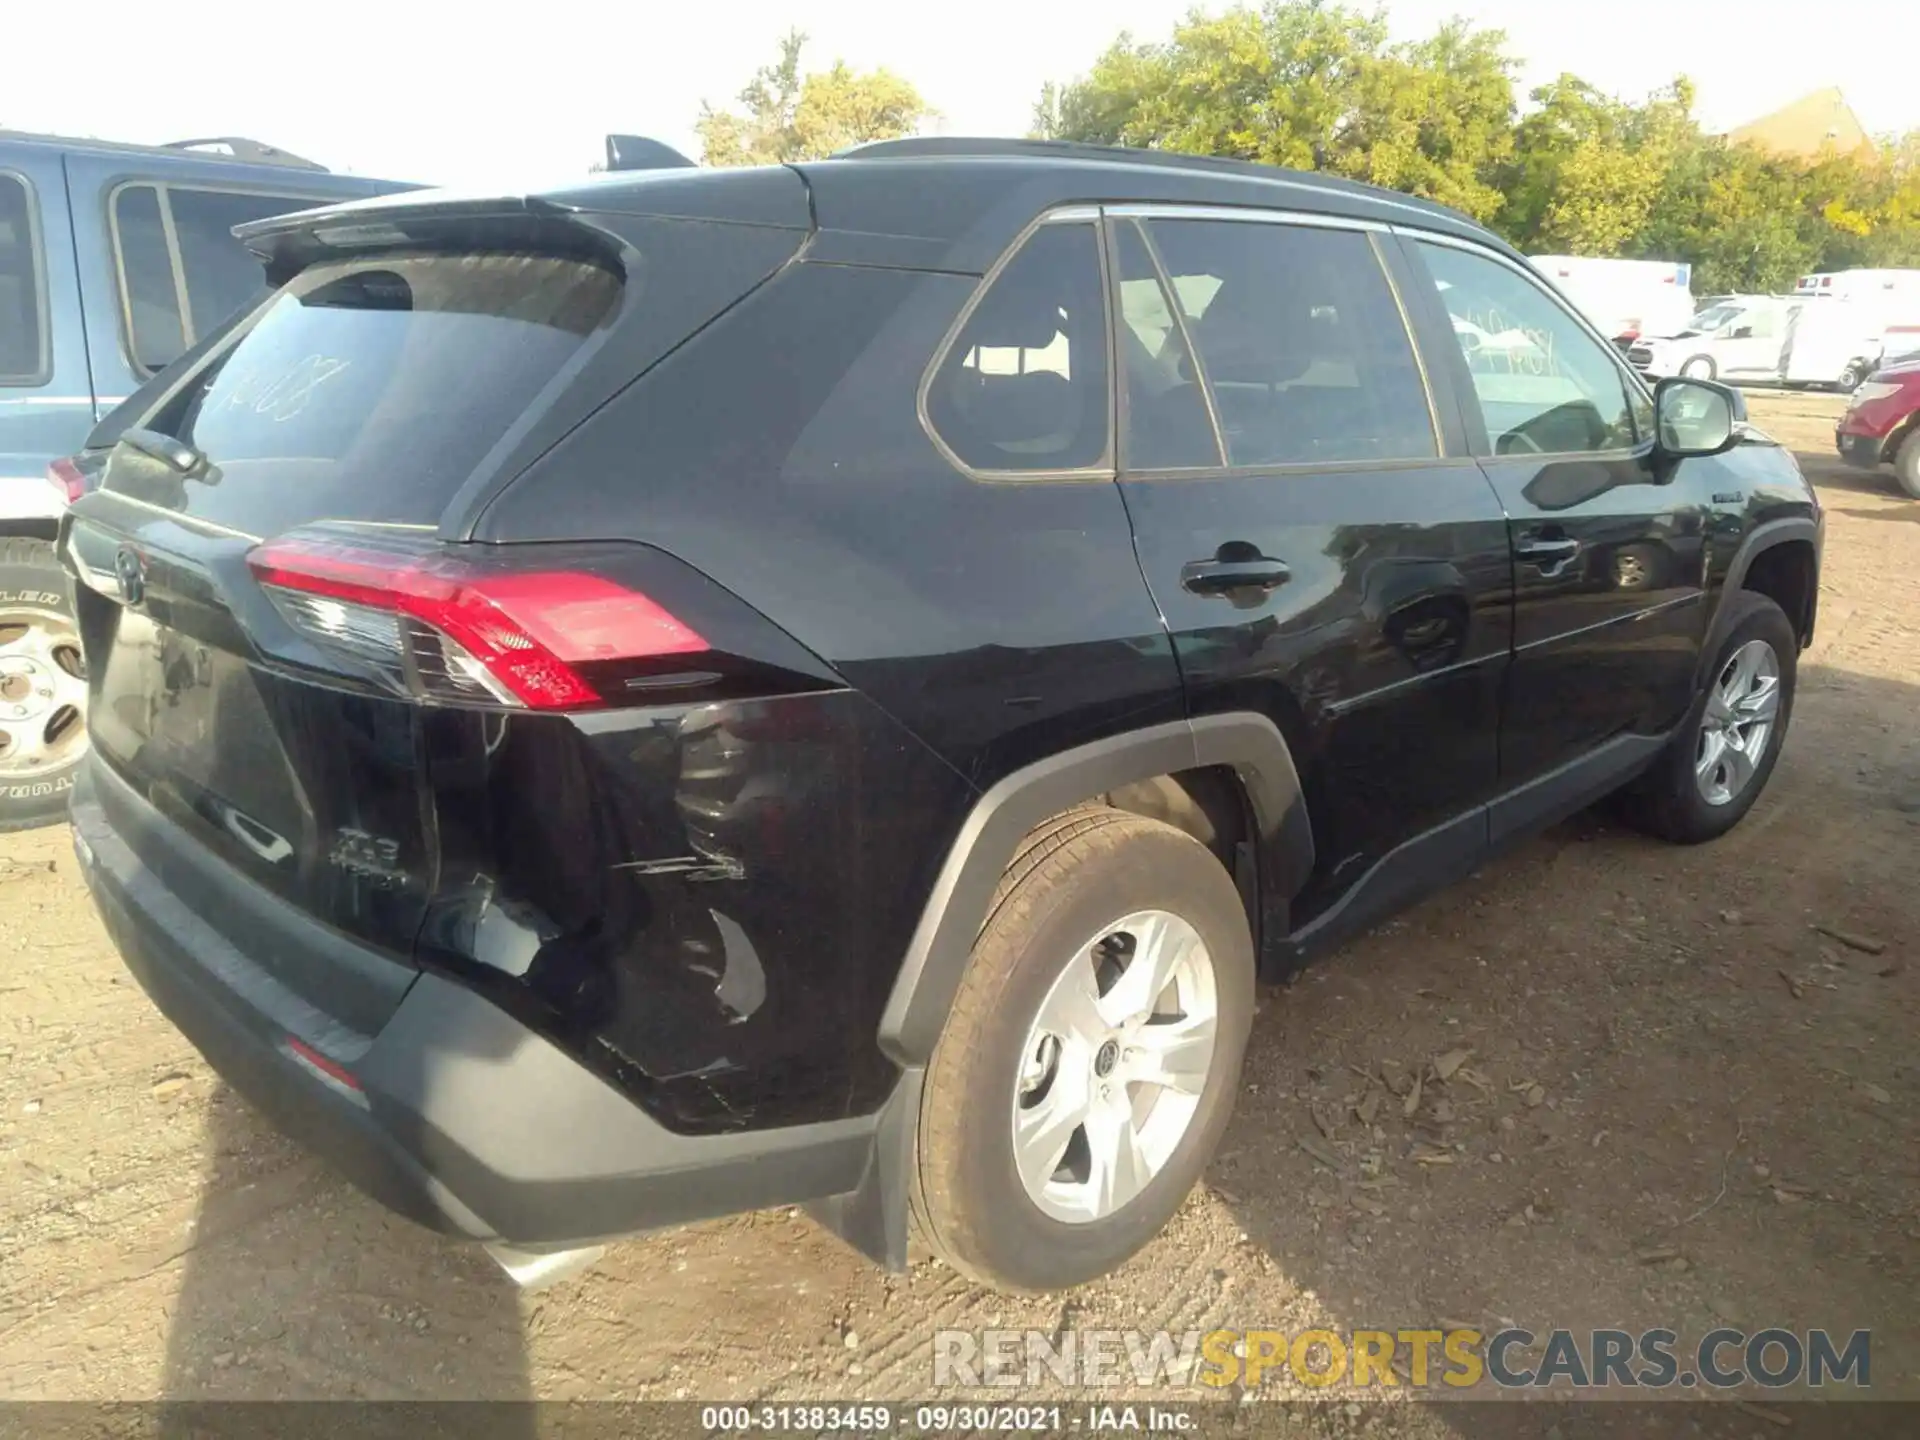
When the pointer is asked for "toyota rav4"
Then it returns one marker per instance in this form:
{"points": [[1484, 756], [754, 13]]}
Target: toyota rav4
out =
{"points": [[831, 683]]}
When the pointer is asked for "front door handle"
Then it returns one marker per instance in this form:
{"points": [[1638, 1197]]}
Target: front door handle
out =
{"points": [[1229, 577]]}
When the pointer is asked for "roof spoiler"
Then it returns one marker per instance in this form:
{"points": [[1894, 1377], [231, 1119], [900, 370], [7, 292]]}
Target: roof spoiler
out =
{"points": [[637, 152]]}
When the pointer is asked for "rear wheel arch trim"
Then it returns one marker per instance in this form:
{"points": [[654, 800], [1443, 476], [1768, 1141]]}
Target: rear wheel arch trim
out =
{"points": [[1761, 538], [937, 955]]}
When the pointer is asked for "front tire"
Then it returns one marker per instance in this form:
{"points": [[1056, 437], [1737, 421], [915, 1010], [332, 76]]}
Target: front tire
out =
{"points": [[43, 687], [1852, 376], [1906, 463], [1721, 757], [1700, 367], [1090, 1064]]}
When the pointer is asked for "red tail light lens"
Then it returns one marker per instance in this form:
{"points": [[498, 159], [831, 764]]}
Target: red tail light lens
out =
{"points": [[65, 477], [443, 627]]}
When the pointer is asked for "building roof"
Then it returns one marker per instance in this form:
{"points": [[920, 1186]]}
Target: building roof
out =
{"points": [[1812, 124]]}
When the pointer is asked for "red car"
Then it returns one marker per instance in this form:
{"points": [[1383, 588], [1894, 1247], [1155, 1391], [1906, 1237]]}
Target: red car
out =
{"points": [[1882, 424]]}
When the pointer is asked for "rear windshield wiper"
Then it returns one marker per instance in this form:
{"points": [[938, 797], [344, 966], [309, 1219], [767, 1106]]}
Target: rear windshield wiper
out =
{"points": [[178, 456]]}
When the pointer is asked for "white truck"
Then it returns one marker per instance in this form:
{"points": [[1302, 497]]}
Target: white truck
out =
{"points": [[1624, 299], [1850, 321]]}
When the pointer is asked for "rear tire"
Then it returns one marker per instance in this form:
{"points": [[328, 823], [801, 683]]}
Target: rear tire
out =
{"points": [[1851, 377], [43, 733], [1906, 463], [1070, 924], [1719, 760]]}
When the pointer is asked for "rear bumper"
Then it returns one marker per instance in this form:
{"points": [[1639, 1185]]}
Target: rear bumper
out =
{"points": [[466, 1121]]}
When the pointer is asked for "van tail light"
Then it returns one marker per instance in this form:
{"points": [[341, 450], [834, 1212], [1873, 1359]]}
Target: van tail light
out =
{"points": [[65, 477], [456, 624]]}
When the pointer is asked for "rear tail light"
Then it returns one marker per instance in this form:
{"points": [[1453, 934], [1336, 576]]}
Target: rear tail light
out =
{"points": [[65, 477], [440, 625]]}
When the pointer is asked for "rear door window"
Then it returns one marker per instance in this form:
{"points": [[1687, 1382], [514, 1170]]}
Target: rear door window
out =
{"points": [[181, 271], [1167, 423], [23, 335], [371, 389], [1302, 341], [1024, 385]]}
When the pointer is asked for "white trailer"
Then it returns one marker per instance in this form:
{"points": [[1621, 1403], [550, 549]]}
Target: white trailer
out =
{"points": [[1624, 299]]}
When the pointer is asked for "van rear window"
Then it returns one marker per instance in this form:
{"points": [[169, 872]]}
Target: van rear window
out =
{"points": [[371, 389], [23, 338]]}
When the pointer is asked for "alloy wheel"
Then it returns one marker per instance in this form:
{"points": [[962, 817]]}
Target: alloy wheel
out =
{"points": [[43, 693], [1114, 1066], [1743, 705]]}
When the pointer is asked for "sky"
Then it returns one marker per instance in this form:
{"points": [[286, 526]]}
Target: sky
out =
{"points": [[494, 94]]}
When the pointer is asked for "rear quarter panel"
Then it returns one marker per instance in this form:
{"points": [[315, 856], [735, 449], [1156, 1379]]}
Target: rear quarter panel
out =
{"points": [[977, 625]]}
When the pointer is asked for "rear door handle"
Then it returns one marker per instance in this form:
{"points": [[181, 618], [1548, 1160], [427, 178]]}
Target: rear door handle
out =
{"points": [[1228, 577], [1538, 550]]}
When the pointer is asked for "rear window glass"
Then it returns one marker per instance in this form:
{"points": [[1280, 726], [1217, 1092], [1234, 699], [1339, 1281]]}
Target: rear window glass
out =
{"points": [[371, 389], [23, 341], [22, 329]]}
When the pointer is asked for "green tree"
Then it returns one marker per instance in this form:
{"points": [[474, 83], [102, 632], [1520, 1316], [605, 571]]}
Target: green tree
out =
{"points": [[1311, 85], [1588, 168], [1435, 119], [787, 116], [1745, 218]]}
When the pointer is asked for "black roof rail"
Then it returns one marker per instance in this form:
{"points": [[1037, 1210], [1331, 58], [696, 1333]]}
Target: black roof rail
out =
{"points": [[234, 149], [934, 147], [941, 146], [254, 152], [637, 152]]}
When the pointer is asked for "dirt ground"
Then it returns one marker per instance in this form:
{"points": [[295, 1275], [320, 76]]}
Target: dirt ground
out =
{"points": [[1668, 1058]]}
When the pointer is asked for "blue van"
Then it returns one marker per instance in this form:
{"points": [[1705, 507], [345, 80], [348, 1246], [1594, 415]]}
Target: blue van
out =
{"points": [[114, 259]]}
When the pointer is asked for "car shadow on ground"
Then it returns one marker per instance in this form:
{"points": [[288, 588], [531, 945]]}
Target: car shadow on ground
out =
{"points": [[298, 1288], [1829, 472], [1668, 1099], [1910, 517]]}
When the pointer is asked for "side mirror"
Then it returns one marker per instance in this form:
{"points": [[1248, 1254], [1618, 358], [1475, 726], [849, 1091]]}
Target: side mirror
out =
{"points": [[1694, 417], [1744, 332]]}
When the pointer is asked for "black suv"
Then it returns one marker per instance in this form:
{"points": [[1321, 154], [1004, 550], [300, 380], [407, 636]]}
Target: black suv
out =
{"points": [[829, 683]]}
